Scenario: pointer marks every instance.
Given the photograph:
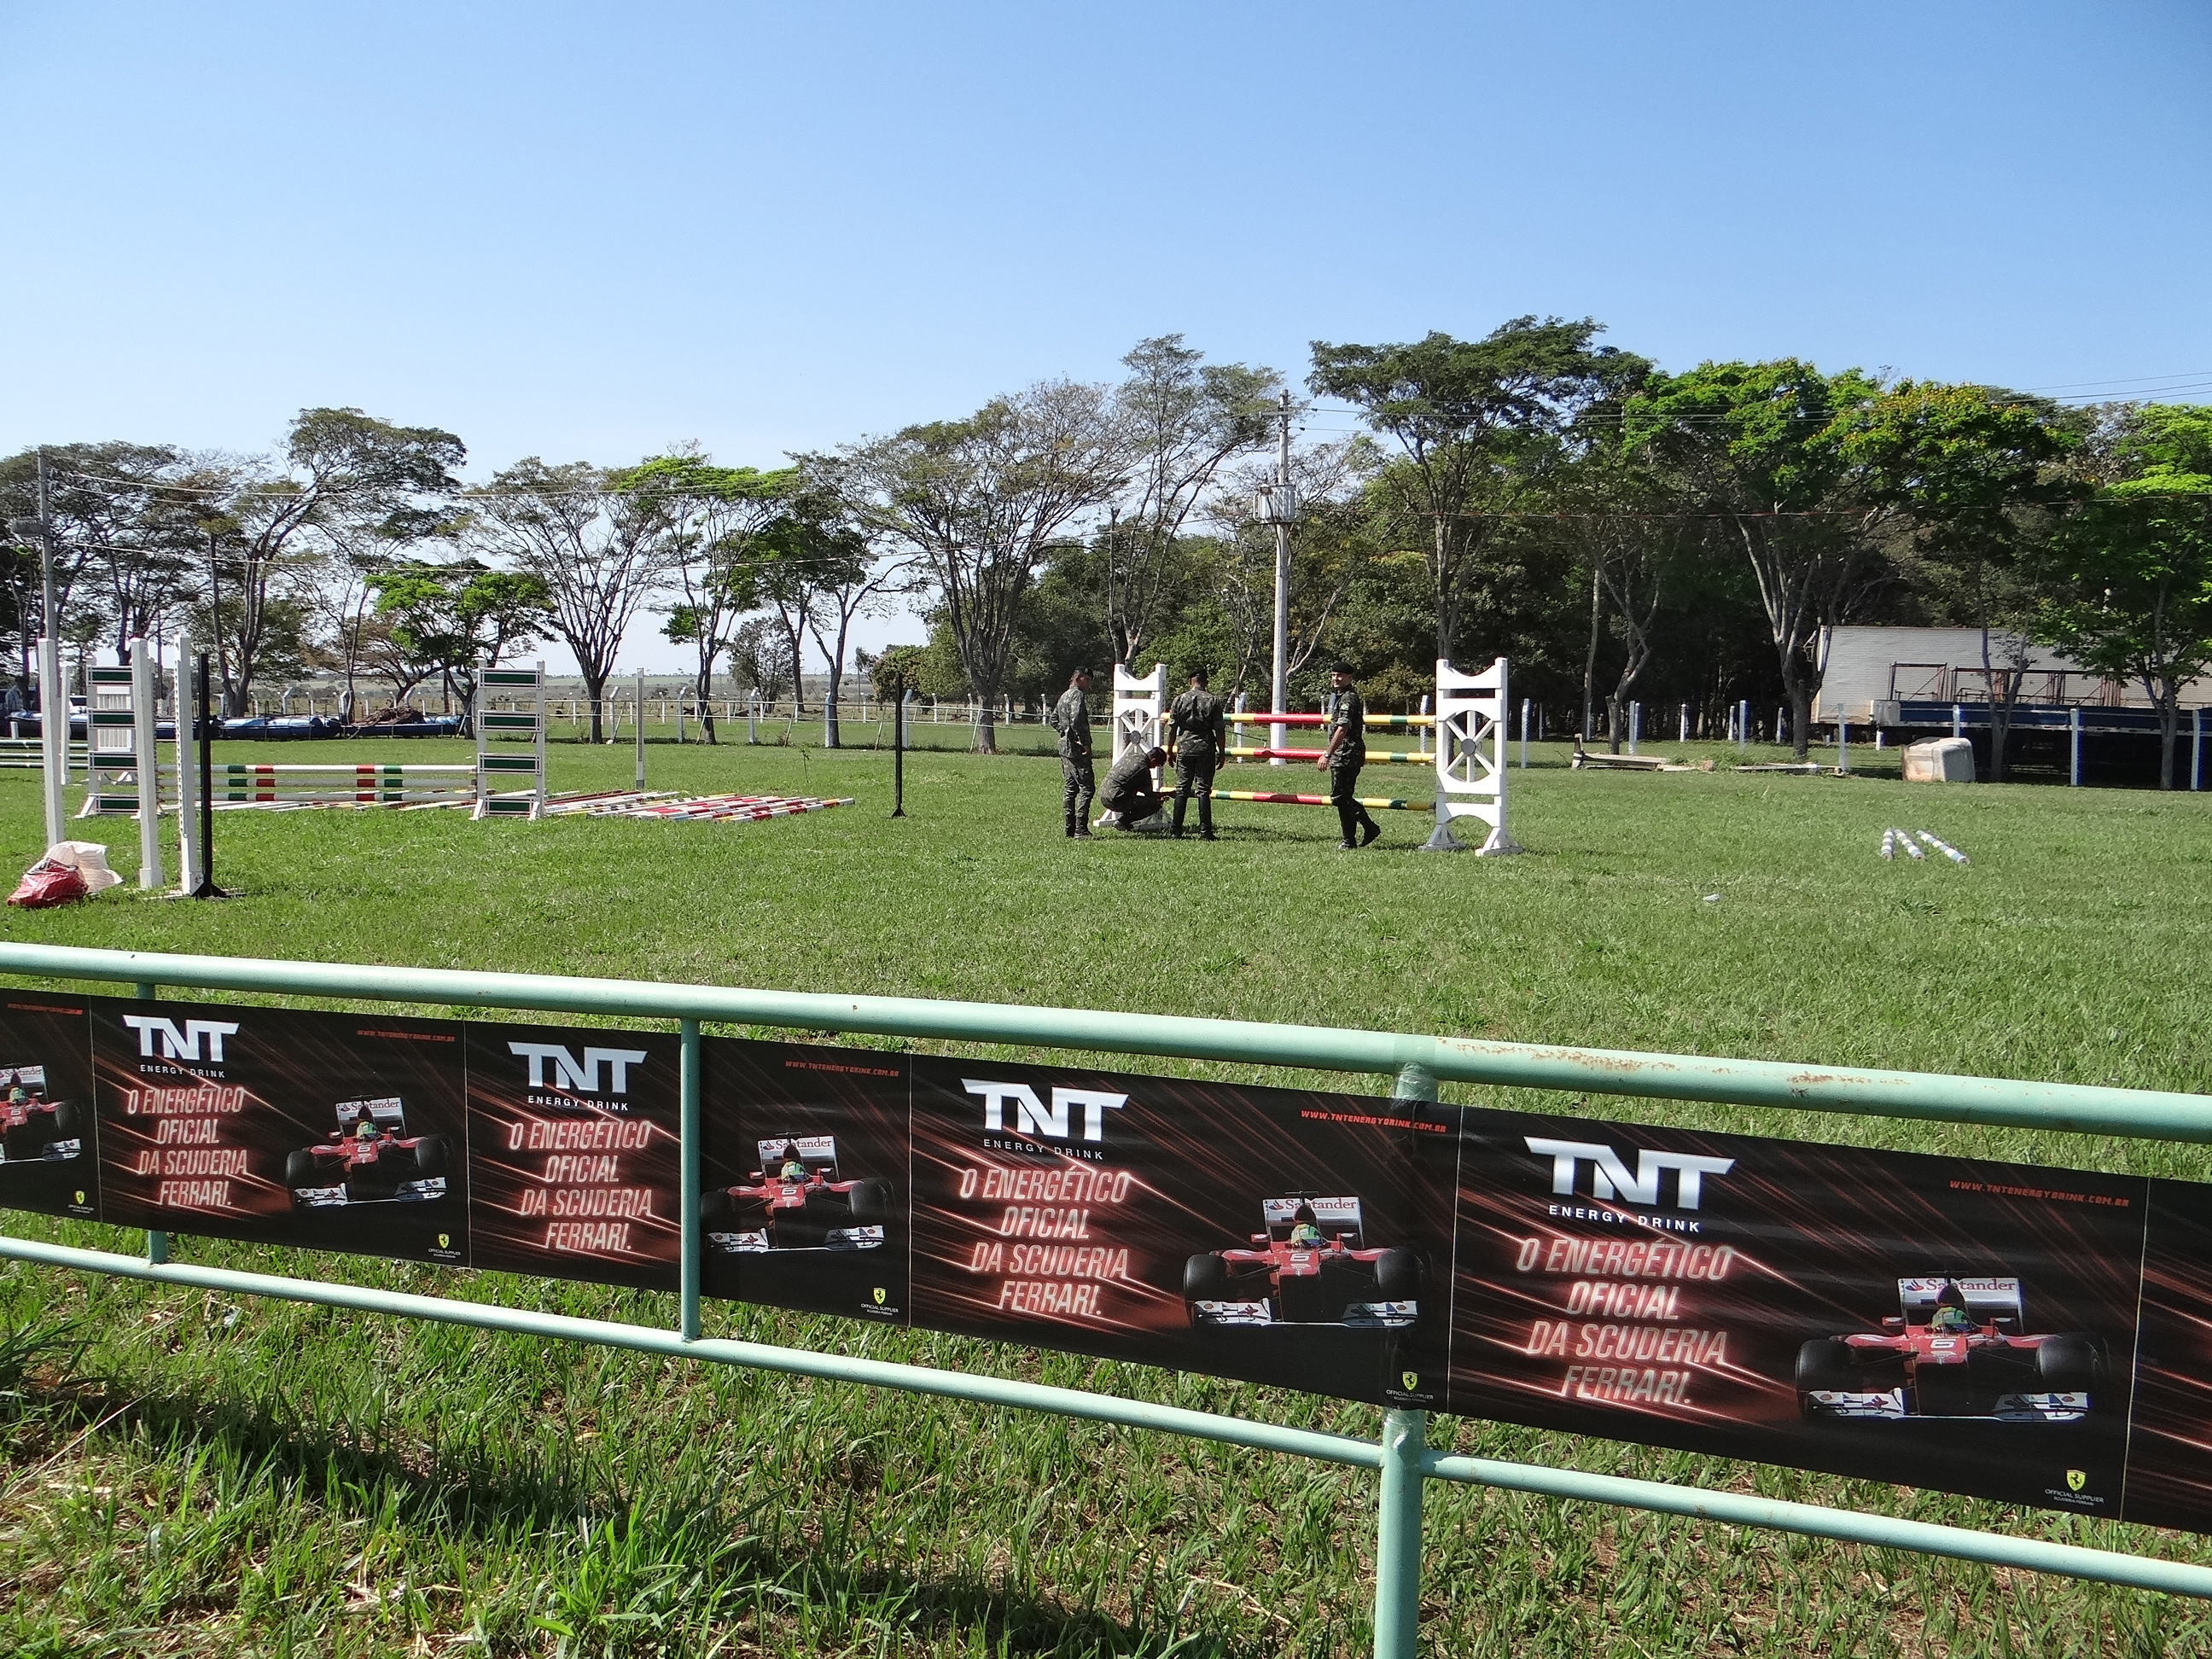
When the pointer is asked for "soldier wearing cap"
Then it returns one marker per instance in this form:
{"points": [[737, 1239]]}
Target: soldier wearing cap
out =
{"points": [[1345, 753], [1194, 743], [1071, 718]]}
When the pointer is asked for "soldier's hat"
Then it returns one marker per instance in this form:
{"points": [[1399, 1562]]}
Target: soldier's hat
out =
{"points": [[1340, 666]]}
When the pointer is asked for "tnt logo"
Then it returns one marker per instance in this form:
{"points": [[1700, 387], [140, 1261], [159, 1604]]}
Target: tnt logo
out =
{"points": [[578, 1078], [160, 1039], [1034, 1118], [1609, 1176]]}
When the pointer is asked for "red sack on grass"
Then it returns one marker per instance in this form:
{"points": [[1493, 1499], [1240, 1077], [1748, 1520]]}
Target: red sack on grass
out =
{"points": [[71, 870], [45, 884]]}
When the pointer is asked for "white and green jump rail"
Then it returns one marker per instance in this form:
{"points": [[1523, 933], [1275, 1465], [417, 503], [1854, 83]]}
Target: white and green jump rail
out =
{"points": [[499, 770], [1399, 1454]]}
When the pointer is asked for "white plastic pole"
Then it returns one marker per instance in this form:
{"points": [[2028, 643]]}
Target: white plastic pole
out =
{"points": [[1743, 724], [1524, 733], [637, 707], [1957, 721], [2196, 748], [1635, 725], [1685, 723], [147, 753], [1842, 743], [191, 867], [2074, 743], [53, 733]]}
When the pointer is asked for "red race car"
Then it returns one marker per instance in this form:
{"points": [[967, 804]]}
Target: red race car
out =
{"points": [[796, 1200], [33, 1127], [369, 1158], [1311, 1267], [1957, 1346]]}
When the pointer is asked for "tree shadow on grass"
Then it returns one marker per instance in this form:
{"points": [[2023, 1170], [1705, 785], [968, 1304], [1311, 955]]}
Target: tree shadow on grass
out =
{"points": [[676, 1559]]}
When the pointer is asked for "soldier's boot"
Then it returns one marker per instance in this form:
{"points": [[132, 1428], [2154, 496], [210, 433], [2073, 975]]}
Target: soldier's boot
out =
{"points": [[1369, 829], [1174, 828], [1206, 813], [1348, 814]]}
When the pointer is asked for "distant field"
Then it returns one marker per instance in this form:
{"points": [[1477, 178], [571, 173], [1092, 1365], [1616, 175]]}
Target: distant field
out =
{"points": [[206, 1477]]}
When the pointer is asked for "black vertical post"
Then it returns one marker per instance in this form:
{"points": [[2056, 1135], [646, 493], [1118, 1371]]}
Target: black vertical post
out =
{"points": [[207, 889], [898, 754]]}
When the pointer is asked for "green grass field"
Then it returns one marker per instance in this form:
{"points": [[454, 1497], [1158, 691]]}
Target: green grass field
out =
{"points": [[185, 1474]]}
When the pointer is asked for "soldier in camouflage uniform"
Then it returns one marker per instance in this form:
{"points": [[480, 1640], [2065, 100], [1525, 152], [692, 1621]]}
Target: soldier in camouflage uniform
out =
{"points": [[1128, 797], [1194, 743], [1071, 718], [1345, 753]]}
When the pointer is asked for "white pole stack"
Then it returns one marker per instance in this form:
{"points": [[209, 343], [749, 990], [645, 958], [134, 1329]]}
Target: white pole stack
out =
{"points": [[191, 864], [144, 679], [1471, 757], [53, 733]]}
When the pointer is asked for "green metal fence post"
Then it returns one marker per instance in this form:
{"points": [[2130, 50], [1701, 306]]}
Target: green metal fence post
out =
{"points": [[1398, 1537], [157, 1244], [688, 1179], [1398, 1520]]}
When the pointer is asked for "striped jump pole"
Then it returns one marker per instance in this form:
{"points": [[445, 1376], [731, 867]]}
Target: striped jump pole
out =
{"points": [[1270, 798], [1402, 757]]}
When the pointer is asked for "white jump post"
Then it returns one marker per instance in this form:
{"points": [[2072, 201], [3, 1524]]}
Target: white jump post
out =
{"points": [[495, 767], [1524, 734], [144, 679], [120, 750], [1140, 707], [1471, 757], [192, 861], [54, 734]]}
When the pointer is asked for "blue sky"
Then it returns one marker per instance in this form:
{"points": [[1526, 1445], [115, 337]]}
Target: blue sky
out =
{"points": [[585, 233]]}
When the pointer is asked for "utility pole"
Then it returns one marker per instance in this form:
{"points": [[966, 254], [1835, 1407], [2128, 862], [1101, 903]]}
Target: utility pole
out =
{"points": [[1279, 506]]}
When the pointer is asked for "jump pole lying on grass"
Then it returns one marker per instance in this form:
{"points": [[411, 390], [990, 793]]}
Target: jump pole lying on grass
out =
{"points": [[1415, 1064]]}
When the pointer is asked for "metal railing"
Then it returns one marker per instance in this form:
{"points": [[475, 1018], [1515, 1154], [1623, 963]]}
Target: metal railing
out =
{"points": [[1399, 1454]]}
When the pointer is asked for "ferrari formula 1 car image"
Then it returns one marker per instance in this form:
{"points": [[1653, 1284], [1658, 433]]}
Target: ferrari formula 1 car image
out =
{"points": [[796, 1200], [369, 1158], [1958, 1348], [33, 1127], [1310, 1266]]}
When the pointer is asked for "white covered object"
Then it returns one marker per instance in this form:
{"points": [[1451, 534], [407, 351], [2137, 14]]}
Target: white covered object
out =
{"points": [[1940, 760], [89, 859]]}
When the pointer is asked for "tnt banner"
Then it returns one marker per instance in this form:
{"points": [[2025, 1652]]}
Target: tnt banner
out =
{"points": [[1934, 1321], [333, 1132], [2170, 1454], [49, 1160], [573, 1153], [1302, 1240], [805, 1200]]}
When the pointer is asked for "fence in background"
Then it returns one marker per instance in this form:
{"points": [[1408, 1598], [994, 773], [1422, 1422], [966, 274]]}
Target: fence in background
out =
{"points": [[1399, 1454]]}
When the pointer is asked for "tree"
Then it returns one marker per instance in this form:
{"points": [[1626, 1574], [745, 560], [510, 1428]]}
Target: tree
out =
{"points": [[447, 619], [1977, 471], [338, 465], [978, 502], [713, 517], [2131, 570], [1761, 445], [850, 580], [599, 546], [1625, 527], [1472, 419], [1183, 419]]}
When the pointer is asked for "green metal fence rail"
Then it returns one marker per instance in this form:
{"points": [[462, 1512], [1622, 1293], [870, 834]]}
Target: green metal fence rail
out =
{"points": [[1400, 1455]]}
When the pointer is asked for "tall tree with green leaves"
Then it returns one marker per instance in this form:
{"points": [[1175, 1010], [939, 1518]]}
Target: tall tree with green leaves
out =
{"points": [[1183, 419], [976, 502], [336, 463], [447, 619], [1476, 422], [2130, 571], [1980, 472], [600, 548], [1761, 445], [715, 519]]}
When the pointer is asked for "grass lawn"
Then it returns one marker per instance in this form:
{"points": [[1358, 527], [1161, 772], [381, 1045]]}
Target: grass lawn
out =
{"points": [[202, 1476]]}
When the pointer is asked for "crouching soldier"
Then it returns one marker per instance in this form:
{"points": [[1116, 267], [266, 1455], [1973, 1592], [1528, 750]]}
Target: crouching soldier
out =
{"points": [[1128, 797]]}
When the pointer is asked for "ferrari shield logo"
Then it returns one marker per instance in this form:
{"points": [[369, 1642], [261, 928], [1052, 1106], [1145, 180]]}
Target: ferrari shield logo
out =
{"points": [[2076, 1479], [444, 1241], [80, 1196], [1411, 1379], [880, 1294]]}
